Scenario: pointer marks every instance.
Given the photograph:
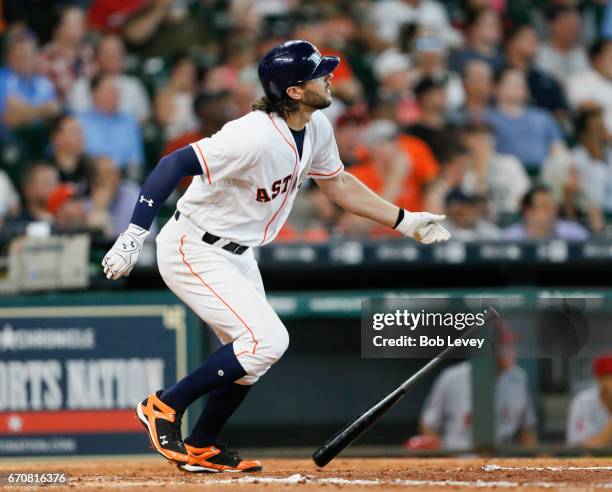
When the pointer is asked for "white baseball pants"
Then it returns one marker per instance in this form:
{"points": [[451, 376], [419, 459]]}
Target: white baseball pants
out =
{"points": [[226, 291]]}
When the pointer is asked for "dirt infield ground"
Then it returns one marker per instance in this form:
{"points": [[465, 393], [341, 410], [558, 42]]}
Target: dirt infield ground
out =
{"points": [[352, 474]]}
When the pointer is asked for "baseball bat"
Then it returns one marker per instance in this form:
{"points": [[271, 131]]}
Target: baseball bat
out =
{"points": [[357, 427]]}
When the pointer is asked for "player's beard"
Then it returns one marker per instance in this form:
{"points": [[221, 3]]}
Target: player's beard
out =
{"points": [[315, 100]]}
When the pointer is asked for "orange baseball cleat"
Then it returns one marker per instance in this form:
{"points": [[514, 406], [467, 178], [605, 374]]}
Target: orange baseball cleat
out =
{"points": [[164, 428], [217, 459]]}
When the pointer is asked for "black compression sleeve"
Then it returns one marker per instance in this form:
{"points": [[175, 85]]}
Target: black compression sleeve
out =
{"points": [[161, 182]]}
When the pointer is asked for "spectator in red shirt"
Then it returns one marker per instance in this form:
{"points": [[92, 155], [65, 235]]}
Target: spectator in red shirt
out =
{"points": [[111, 16]]}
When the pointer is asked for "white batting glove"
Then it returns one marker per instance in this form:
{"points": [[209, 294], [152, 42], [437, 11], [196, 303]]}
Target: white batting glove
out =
{"points": [[423, 227], [122, 257]]}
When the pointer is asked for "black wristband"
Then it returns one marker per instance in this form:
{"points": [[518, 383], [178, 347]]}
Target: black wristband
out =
{"points": [[400, 217]]}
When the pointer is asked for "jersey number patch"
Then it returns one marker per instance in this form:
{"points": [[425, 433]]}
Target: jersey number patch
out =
{"points": [[279, 186]]}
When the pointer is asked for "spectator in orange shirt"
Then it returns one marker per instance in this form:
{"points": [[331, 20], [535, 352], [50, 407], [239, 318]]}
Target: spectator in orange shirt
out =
{"points": [[399, 167]]}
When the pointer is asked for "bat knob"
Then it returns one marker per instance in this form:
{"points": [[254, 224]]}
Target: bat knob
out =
{"points": [[321, 458]]}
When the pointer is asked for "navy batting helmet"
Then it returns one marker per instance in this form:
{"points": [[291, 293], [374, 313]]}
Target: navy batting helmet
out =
{"points": [[292, 63]]}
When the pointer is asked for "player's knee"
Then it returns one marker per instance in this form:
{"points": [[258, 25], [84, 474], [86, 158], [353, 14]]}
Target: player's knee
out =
{"points": [[274, 345], [258, 353], [280, 345]]}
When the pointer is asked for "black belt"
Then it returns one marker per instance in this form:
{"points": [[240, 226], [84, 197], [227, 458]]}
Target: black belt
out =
{"points": [[211, 239]]}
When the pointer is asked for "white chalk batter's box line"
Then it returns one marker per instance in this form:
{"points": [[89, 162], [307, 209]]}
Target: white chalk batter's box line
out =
{"points": [[490, 468], [307, 479]]}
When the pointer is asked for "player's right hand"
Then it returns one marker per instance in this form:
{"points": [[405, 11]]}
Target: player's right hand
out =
{"points": [[122, 257], [424, 227]]}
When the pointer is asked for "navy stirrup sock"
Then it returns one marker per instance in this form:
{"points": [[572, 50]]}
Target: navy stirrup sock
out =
{"points": [[222, 403], [220, 369]]}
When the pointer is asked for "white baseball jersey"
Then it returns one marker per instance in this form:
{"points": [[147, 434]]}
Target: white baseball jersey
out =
{"points": [[587, 416], [252, 173], [448, 408]]}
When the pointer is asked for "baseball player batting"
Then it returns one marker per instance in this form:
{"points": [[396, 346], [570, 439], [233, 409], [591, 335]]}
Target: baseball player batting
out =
{"points": [[247, 177]]}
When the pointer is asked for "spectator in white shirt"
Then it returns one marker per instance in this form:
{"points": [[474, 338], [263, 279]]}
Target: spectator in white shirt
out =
{"points": [[389, 17], [133, 98], [394, 76], [594, 85], [501, 177], [589, 423], [562, 56]]}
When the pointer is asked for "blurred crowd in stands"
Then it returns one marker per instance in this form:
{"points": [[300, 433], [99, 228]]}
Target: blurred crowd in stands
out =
{"points": [[497, 113]]}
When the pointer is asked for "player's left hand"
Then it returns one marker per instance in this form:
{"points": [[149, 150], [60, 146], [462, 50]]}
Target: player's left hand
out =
{"points": [[424, 227], [122, 257]]}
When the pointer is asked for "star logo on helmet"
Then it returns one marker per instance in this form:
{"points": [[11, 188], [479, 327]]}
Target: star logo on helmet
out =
{"points": [[315, 57]]}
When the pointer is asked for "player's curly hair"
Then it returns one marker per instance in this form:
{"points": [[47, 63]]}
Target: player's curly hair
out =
{"points": [[284, 107]]}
